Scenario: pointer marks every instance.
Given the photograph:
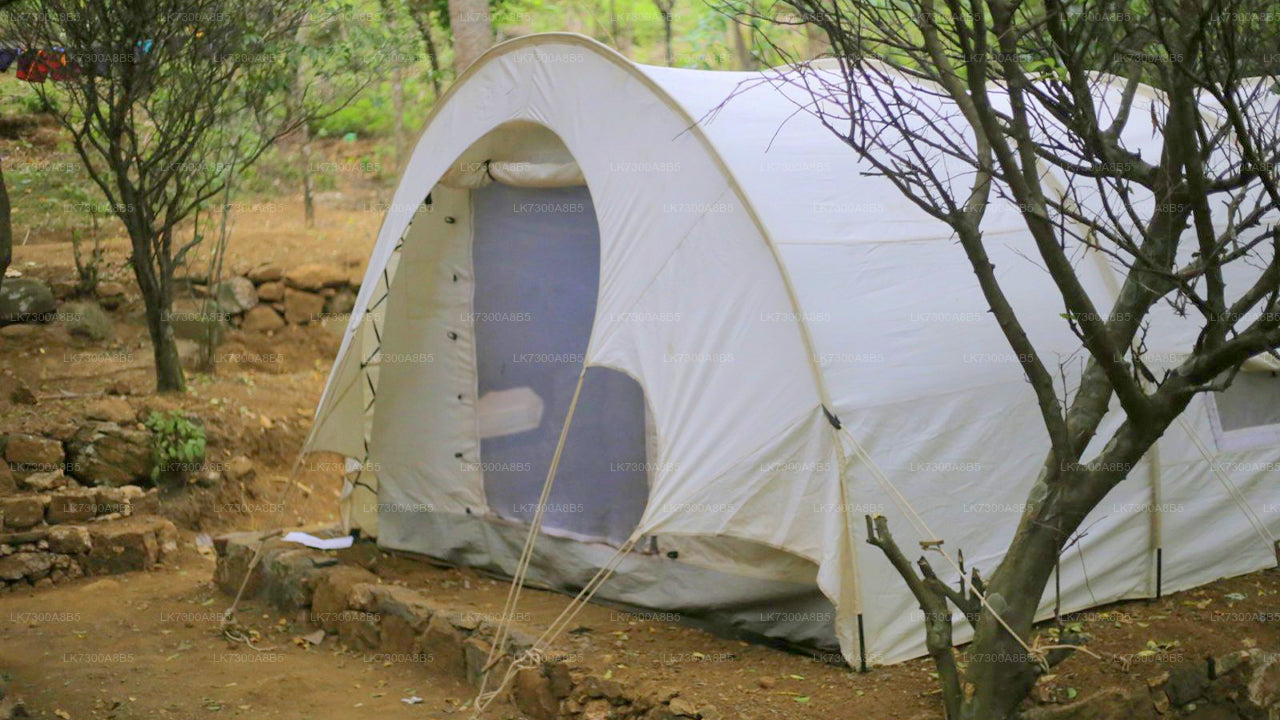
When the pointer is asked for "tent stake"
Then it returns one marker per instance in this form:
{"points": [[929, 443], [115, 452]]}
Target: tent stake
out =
{"points": [[1159, 573], [862, 646], [1057, 590]]}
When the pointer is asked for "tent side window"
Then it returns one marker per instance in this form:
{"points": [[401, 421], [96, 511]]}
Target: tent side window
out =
{"points": [[1248, 412]]}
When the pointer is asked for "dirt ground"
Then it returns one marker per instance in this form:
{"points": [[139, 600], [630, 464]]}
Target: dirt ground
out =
{"points": [[148, 645]]}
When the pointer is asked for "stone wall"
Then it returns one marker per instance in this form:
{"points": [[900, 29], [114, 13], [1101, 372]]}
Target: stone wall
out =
{"points": [[47, 555], [67, 507], [269, 297], [369, 615]]}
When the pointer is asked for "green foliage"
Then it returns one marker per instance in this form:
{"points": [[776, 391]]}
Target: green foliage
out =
{"points": [[371, 114], [176, 441]]}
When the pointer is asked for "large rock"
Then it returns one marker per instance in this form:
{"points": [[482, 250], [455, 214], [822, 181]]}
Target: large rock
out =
{"points": [[8, 484], [23, 511], [315, 276], [76, 505], [111, 409], [271, 292], [342, 303], [29, 565], [301, 307], [131, 544], [45, 481], [33, 453], [86, 320], [444, 644], [266, 273], [262, 319], [236, 295], [104, 453], [191, 320], [1115, 703], [1246, 682], [532, 694], [69, 539], [291, 576], [20, 393], [329, 602], [25, 300]]}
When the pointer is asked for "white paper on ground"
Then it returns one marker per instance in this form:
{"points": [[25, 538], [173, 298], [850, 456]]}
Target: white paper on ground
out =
{"points": [[312, 541]]}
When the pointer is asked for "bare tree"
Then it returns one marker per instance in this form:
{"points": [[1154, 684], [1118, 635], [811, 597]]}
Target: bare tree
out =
{"points": [[965, 104], [155, 95]]}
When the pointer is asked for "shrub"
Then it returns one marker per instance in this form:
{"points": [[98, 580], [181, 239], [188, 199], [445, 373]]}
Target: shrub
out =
{"points": [[177, 444]]}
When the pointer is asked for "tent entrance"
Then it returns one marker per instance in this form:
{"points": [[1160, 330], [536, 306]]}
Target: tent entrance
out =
{"points": [[536, 259]]}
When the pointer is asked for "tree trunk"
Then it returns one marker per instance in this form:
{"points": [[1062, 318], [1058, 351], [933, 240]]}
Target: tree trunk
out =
{"points": [[818, 44], [746, 61], [422, 18], [666, 32], [472, 31], [397, 105], [1000, 674], [6, 229], [308, 188], [156, 296]]}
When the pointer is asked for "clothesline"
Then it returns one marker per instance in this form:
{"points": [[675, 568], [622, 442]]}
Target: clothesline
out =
{"points": [[35, 65]]}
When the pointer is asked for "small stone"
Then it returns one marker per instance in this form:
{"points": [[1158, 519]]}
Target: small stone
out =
{"points": [[342, 303], [1160, 701], [33, 453], [23, 511], [192, 319], [301, 307], [69, 540], [33, 566], [19, 331], [315, 276], [21, 393], [72, 506], [270, 292], [680, 706], [86, 320], [236, 295], [8, 484], [266, 273], [262, 319], [240, 468], [45, 481]]}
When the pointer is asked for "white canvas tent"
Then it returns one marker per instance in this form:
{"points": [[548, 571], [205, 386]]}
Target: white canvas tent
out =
{"points": [[775, 344]]}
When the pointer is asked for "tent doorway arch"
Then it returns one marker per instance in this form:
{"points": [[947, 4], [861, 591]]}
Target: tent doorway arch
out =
{"points": [[536, 263]]}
